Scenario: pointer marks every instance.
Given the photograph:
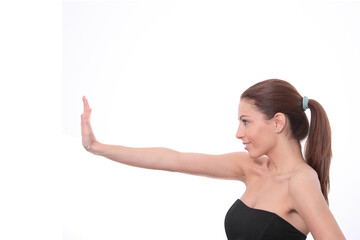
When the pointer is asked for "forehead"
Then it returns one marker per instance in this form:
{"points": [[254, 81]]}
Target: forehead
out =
{"points": [[247, 108]]}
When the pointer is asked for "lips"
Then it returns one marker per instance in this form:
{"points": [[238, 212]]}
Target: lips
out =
{"points": [[246, 145]]}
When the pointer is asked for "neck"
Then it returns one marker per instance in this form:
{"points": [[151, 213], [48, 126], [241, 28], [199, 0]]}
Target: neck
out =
{"points": [[285, 157]]}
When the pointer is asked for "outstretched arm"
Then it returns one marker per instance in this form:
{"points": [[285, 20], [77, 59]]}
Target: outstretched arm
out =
{"points": [[225, 166]]}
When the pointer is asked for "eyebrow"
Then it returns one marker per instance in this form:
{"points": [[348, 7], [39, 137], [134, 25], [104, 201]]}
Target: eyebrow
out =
{"points": [[243, 116]]}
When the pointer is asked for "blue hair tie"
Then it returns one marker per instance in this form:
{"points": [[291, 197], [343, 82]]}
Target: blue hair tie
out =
{"points": [[305, 102]]}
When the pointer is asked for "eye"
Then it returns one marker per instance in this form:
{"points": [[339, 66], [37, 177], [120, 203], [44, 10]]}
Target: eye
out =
{"points": [[245, 122]]}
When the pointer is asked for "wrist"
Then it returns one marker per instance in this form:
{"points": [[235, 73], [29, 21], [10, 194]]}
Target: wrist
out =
{"points": [[96, 148]]}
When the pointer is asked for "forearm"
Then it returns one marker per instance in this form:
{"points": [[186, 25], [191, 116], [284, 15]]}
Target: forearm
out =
{"points": [[151, 158]]}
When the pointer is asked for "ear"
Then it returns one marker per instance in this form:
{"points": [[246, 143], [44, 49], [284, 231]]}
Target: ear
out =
{"points": [[279, 122]]}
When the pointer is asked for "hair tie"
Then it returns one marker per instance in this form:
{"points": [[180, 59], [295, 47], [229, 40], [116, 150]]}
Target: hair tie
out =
{"points": [[305, 102]]}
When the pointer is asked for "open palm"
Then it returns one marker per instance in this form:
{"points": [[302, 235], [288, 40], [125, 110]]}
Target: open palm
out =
{"points": [[88, 138]]}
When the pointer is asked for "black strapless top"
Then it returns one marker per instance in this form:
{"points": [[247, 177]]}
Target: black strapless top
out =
{"points": [[245, 223]]}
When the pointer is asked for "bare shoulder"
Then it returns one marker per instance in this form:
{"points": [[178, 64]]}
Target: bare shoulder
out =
{"points": [[242, 165], [309, 202], [242, 159], [304, 185], [245, 163], [254, 167], [232, 166], [303, 180]]}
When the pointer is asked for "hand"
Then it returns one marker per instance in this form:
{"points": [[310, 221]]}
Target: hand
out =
{"points": [[88, 138]]}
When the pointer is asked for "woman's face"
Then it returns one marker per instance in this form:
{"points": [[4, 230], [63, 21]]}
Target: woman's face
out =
{"points": [[257, 133]]}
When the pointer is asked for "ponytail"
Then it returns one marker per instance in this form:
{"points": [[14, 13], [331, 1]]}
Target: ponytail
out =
{"points": [[318, 146]]}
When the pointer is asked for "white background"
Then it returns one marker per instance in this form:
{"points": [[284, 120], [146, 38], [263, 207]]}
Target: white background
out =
{"points": [[158, 73]]}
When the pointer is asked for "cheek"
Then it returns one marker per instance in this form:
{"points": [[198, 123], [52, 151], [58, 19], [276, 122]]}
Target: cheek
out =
{"points": [[257, 133], [263, 139], [268, 141]]}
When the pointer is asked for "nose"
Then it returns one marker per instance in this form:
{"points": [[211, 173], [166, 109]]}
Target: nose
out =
{"points": [[240, 132]]}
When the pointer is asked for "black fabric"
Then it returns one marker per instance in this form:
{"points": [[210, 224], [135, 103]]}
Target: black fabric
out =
{"points": [[245, 223]]}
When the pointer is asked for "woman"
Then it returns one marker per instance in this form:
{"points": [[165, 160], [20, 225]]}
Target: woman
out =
{"points": [[286, 194]]}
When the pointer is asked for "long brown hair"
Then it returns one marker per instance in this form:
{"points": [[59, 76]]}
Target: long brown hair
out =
{"points": [[273, 96]]}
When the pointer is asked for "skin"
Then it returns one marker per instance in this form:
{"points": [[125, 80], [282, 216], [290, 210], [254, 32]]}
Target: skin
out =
{"points": [[276, 176], [278, 179]]}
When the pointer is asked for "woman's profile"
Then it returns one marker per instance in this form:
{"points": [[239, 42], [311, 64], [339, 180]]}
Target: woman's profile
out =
{"points": [[286, 194]]}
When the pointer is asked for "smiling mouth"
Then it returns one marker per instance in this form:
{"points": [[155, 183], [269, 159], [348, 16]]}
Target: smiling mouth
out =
{"points": [[246, 145]]}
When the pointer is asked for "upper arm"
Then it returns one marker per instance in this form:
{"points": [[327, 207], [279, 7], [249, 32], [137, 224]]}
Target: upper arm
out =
{"points": [[225, 166], [309, 202]]}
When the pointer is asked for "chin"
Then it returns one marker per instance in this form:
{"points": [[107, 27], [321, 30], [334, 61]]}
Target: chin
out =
{"points": [[254, 155]]}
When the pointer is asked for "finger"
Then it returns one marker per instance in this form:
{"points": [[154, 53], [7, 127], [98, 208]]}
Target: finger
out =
{"points": [[82, 124], [85, 125], [83, 98], [87, 107], [90, 111], [83, 120]]}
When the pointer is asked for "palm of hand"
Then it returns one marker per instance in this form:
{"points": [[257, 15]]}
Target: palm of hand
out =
{"points": [[88, 138]]}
